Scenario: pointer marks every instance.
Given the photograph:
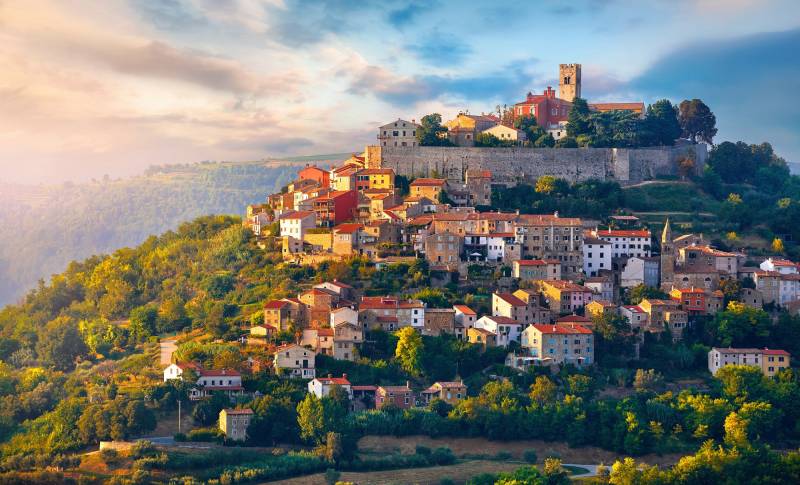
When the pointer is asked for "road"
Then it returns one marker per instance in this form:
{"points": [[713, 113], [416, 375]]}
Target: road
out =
{"points": [[168, 346], [591, 473]]}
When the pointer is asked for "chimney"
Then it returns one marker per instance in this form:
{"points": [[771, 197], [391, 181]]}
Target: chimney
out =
{"points": [[408, 384], [344, 376]]}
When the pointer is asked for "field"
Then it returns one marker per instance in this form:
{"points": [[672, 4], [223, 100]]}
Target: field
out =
{"points": [[482, 447]]}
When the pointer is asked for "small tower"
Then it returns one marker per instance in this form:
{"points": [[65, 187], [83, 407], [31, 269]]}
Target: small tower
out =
{"points": [[569, 81], [667, 258]]}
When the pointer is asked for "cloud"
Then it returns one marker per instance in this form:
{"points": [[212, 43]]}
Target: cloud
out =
{"points": [[752, 84], [405, 16], [441, 49], [509, 82]]}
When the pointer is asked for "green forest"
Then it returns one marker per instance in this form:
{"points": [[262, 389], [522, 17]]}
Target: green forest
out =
{"points": [[46, 227]]}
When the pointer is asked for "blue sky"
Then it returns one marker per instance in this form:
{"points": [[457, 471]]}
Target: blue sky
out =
{"points": [[93, 88]]}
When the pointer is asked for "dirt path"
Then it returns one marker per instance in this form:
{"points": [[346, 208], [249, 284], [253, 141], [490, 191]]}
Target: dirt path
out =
{"points": [[168, 346]]}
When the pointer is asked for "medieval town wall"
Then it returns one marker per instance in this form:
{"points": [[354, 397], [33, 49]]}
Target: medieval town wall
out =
{"points": [[517, 164]]}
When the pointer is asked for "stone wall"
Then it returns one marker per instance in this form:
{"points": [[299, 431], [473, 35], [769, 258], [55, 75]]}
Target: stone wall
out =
{"points": [[512, 165]]}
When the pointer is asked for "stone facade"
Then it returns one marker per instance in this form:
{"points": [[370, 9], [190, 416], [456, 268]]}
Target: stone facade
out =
{"points": [[516, 164]]}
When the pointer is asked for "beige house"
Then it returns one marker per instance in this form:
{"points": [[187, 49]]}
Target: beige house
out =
{"points": [[234, 423], [346, 337], [560, 343], [770, 361], [400, 133], [537, 269], [505, 133], [295, 361], [525, 312], [449, 392]]}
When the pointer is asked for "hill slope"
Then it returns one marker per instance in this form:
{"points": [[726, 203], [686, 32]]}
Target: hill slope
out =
{"points": [[46, 227]]}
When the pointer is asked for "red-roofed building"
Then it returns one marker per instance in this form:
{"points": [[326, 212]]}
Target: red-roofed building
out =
{"points": [[627, 242], [281, 314], [550, 111], [391, 313], [400, 396], [321, 386], [559, 343], [312, 172], [506, 329], [335, 207], [427, 187], [770, 361], [510, 305], [537, 269], [565, 296]]}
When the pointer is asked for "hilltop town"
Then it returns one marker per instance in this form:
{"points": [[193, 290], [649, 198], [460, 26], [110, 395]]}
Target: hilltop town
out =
{"points": [[468, 297]]}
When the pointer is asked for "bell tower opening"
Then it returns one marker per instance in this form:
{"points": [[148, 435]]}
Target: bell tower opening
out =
{"points": [[569, 86]]}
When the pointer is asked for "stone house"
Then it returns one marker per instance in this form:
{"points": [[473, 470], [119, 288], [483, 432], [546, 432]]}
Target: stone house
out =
{"points": [[400, 396], [560, 343], [234, 423], [537, 269], [449, 392], [439, 321], [295, 361]]}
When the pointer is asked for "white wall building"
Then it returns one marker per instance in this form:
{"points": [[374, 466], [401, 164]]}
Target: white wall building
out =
{"points": [[596, 255], [295, 224], [782, 266], [321, 386], [507, 329], [630, 243]]}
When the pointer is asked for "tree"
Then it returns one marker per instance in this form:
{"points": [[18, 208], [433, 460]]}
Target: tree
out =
{"points": [[566, 142], [409, 350], [578, 123], [311, 418], [661, 121], [643, 292], [646, 380], [60, 344], [697, 121], [143, 322], [543, 390], [545, 184], [545, 141], [736, 431], [777, 246], [431, 132]]}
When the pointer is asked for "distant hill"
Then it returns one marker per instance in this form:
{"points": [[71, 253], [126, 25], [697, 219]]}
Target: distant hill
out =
{"points": [[46, 227]]}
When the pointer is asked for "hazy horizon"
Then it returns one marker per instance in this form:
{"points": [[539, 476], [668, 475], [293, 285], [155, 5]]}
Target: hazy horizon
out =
{"points": [[92, 89]]}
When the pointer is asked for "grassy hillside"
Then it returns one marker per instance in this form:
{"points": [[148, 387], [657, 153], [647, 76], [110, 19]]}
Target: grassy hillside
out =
{"points": [[46, 227]]}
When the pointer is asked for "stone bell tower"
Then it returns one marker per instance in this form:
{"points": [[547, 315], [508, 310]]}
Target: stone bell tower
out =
{"points": [[569, 81], [667, 258]]}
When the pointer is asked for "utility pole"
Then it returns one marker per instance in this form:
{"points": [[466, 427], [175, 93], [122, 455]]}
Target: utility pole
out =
{"points": [[179, 415]]}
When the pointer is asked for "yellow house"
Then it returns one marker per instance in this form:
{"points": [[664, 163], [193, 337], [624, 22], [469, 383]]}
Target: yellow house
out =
{"points": [[375, 178], [427, 187], [598, 308], [481, 336]]}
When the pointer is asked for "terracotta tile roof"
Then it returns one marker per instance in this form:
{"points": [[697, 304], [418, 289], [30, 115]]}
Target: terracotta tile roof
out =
{"points": [[296, 215], [634, 308], [566, 285], [395, 389], [635, 107], [218, 373], [482, 331], [348, 228], [364, 388], [429, 182], [561, 329], [501, 320], [275, 304], [782, 262], [623, 233], [604, 303], [465, 309], [511, 299], [387, 302], [325, 332], [340, 381], [775, 352], [244, 411]]}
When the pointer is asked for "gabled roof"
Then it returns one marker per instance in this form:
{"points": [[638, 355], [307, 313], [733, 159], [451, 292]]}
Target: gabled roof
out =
{"points": [[623, 233], [339, 381], [233, 412], [218, 373], [501, 320], [275, 304], [561, 329], [511, 299], [574, 319], [547, 220], [465, 309], [296, 215], [431, 182], [564, 285], [348, 228]]}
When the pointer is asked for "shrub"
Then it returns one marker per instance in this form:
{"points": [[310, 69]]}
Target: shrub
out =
{"points": [[332, 476], [447, 481], [109, 455], [502, 456], [423, 450], [530, 456], [443, 456]]}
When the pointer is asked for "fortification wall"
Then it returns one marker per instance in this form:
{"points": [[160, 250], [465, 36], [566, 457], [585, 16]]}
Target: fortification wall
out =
{"points": [[513, 165]]}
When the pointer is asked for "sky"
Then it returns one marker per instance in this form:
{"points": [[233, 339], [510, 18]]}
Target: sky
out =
{"points": [[91, 88]]}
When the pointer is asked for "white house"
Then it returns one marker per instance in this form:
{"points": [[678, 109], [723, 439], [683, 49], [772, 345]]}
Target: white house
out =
{"points": [[295, 224], [782, 266], [507, 329], [225, 380], [502, 246], [505, 133], [601, 286], [321, 386], [789, 288], [637, 318], [630, 243], [596, 255], [343, 315]]}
